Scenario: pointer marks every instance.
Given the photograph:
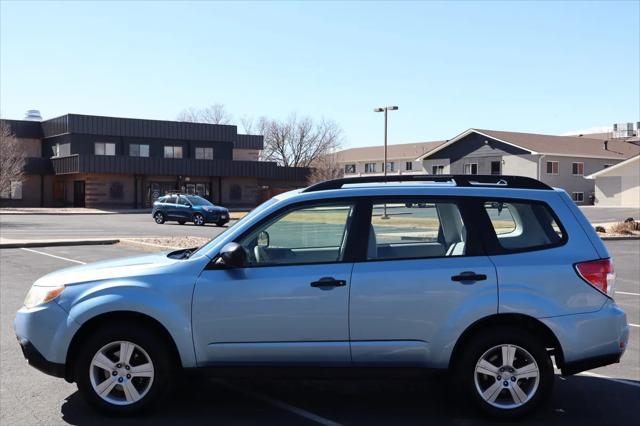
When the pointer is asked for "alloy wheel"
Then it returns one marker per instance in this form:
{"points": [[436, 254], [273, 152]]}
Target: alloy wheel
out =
{"points": [[507, 376], [121, 373]]}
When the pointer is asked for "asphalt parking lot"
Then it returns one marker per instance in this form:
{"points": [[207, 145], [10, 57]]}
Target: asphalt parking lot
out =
{"points": [[608, 395]]}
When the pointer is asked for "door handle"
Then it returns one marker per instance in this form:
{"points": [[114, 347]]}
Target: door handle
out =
{"points": [[469, 276], [328, 282]]}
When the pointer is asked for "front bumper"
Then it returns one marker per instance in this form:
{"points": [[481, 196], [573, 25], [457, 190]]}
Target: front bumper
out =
{"points": [[36, 360], [220, 217], [44, 334]]}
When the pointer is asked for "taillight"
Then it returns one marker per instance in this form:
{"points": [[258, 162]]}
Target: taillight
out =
{"points": [[598, 273]]}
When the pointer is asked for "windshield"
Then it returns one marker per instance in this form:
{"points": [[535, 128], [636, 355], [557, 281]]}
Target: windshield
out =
{"points": [[246, 218], [199, 201]]}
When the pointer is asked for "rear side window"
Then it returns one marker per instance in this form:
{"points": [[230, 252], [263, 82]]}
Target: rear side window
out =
{"points": [[415, 229], [524, 225]]}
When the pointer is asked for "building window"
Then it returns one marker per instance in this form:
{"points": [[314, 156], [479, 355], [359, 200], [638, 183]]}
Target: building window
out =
{"points": [[578, 197], [408, 166], [438, 169], [390, 166], [204, 153], [369, 167], [577, 169], [14, 192], [552, 167], [471, 169], [105, 148], [349, 169], [172, 152], [61, 149], [138, 150], [496, 167]]}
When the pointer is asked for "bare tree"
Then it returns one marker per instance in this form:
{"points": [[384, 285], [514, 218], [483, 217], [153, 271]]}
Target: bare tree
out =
{"points": [[298, 142], [213, 114], [12, 159], [325, 168]]}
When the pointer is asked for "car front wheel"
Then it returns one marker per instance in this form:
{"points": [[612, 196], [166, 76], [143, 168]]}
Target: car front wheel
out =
{"points": [[506, 372], [159, 218], [198, 219], [122, 370]]}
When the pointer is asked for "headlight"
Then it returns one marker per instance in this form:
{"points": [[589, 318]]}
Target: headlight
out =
{"points": [[40, 295]]}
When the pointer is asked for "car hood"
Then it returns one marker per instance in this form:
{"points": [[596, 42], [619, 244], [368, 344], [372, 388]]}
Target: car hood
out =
{"points": [[108, 269]]}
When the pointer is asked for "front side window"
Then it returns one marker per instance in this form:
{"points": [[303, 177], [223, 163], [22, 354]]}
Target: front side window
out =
{"points": [[204, 153], [310, 234], [438, 169], [524, 225], [104, 148], [415, 229], [138, 150], [552, 167], [471, 169], [172, 152], [349, 169], [577, 169], [369, 167]]}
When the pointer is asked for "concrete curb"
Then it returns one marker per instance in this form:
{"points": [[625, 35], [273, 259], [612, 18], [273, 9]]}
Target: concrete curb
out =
{"points": [[632, 238], [58, 243]]}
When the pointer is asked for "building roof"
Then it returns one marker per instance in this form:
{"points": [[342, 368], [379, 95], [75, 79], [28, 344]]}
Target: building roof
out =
{"points": [[572, 146], [612, 170], [404, 151]]}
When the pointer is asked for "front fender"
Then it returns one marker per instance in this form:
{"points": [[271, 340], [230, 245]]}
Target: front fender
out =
{"points": [[170, 305]]}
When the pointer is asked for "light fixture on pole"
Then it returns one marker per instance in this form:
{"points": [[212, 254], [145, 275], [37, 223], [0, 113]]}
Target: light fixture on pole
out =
{"points": [[384, 164]]}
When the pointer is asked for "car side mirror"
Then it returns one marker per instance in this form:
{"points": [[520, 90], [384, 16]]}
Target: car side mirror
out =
{"points": [[232, 255], [263, 239]]}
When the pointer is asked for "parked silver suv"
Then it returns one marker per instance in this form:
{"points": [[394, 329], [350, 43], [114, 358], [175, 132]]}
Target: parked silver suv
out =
{"points": [[488, 276]]}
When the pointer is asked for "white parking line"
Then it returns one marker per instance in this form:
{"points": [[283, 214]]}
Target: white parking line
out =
{"points": [[53, 255], [601, 376], [634, 325], [280, 404], [627, 293]]}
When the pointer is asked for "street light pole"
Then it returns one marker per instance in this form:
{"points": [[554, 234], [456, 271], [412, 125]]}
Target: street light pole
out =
{"points": [[384, 164]]}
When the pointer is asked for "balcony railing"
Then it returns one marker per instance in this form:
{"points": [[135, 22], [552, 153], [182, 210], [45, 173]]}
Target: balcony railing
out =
{"points": [[85, 163]]}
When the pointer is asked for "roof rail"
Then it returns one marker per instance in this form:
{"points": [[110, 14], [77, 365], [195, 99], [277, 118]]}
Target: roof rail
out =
{"points": [[520, 182]]}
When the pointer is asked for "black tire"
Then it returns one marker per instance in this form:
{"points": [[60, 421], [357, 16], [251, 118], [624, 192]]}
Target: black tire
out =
{"points": [[159, 218], [150, 341], [182, 222], [198, 219], [483, 346]]}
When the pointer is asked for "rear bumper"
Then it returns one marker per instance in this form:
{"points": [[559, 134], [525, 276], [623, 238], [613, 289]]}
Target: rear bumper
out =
{"points": [[576, 367], [592, 339], [37, 361]]}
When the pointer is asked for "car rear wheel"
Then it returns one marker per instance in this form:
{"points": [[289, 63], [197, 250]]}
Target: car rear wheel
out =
{"points": [[122, 370], [198, 219], [159, 218], [506, 372]]}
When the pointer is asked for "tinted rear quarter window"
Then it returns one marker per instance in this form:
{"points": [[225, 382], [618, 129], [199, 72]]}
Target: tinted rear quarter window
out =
{"points": [[524, 225]]}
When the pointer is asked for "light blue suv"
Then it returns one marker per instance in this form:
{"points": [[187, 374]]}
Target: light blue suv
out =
{"points": [[488, 276]]}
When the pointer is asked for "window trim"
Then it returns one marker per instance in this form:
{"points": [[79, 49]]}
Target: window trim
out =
{"points": [[203, 150], [577, 201], [352, 240], [374, 168], [139, 145], [95, 144], [408, 166], [433, 168], [173, 150], [490, 240], [557, 168], [574, 163], [350, 165], [464, 172]]}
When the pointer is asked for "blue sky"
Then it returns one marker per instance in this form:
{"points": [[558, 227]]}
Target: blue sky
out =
{"points": [[546, 67]]}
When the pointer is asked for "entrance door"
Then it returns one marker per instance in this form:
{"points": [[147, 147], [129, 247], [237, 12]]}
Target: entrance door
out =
{"points": [[78, 193]]}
